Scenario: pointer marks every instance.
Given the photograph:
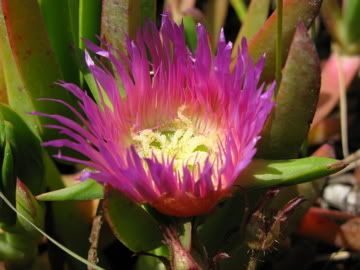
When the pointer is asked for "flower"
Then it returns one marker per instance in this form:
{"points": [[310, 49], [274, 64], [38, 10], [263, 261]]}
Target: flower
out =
{"points": [[183, 128]]}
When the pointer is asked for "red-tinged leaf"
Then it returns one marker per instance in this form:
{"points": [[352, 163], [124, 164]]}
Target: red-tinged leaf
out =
{"points": [[14, 86], [326, 150], [27, 205], [329, 92], [3, 95], [296, 101], [321, 225], [256, 15], [318, 227], [294, 11], [32, 65]]}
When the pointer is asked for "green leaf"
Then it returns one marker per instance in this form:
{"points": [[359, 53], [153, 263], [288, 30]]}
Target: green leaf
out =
{"points": [[59, 28], [274, 173], [215, 14], [27, 151], [87, 190], [27, 205], [352, 20], [148, 10], [131, 223], [223, 229], [89, 20], [294, 11], [33, 69], [8, 252], [296, 101], [255, 17], [190, 32], [74, 6], [7, 176], [120, 19], [224, 225], [240, 8]]}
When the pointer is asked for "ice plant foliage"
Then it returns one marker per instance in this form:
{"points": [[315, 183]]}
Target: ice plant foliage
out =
{"points": [[185, 128]]}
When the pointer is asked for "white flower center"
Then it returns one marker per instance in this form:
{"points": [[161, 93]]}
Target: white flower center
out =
{"points": [[180, 140]]}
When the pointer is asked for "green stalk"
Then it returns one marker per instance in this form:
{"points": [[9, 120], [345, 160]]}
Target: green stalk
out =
{"points": [[278, 59]]}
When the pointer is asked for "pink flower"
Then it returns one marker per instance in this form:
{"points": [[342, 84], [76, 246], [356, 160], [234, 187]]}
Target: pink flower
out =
{"points": [[184, 128]]}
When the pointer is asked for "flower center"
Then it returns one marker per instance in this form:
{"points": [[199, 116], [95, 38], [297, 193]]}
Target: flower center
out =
{"points": [[179, 140]]}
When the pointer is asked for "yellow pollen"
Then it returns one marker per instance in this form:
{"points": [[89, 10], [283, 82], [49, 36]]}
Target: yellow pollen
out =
{"points": [[179, 140]]}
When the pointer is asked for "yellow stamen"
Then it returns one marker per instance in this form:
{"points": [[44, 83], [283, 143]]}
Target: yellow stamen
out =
{"points": [[179, 139]]}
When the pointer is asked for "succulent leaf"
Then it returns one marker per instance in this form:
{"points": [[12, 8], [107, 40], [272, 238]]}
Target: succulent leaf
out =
{"points": [[131, 223], [87, 190], [296, 101], [263, 42]]}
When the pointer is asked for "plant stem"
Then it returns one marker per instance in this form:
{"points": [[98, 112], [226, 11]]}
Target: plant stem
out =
{"points": [[343, 107], [94, 236]]}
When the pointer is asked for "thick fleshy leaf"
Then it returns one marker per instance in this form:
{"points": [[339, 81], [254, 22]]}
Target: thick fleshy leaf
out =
{"points": [[352, 20], [9, 252], [148, 10], [60, 31], [215, 13], [3, 94], [131, 223], [190, 32], [123, 18], [296, 101], [87, 190], [120, 18], [27, 205], [12, 79], [294, 11], [223, 228], [8, 175], [27, 152], [274, 173], [256, 15], [32, 65], [89, 20]]}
